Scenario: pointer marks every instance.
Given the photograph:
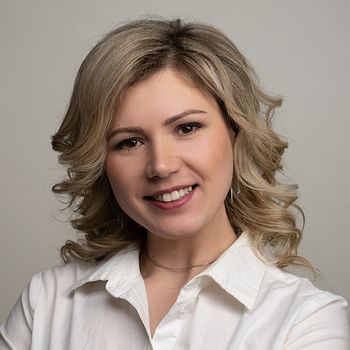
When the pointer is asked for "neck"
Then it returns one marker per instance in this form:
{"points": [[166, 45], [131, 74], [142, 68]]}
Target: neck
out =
{"points": [[195, 251]]}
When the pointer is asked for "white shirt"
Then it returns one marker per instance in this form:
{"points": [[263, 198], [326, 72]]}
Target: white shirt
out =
{"points": [[238, 302]]}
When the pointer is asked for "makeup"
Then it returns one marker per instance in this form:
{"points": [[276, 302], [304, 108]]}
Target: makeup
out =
{"points": [[173, 204]]}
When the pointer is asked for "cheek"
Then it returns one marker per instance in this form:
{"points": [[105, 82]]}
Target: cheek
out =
{"points": [[118, 176], [125, 175], [224, 163], [218, 157]]}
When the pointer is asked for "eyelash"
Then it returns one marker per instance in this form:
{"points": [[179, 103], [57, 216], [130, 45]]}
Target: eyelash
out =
{"points": [[123, 144], [190, 124]]}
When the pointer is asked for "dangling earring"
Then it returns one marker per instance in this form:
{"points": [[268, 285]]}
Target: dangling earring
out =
{"points": [[231, 194]]}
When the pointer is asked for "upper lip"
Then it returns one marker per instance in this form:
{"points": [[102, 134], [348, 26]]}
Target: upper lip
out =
{"points": [[169, 190]]}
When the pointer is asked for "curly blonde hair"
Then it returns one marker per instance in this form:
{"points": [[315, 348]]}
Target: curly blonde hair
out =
{"points": [[131, 53]]}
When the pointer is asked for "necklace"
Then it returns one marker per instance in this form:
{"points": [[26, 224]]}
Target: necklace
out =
{"points": [[177, 269]]}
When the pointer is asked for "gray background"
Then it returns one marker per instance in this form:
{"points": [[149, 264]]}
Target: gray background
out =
{"points": [[300, 50]]}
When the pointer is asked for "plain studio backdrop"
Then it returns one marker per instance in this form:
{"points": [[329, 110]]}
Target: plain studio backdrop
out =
{"points": [[300, 50]]}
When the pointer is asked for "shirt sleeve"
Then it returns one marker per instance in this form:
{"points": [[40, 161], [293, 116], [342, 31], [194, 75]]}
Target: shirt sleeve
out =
{"points": [[325, 328], [16, 331]]}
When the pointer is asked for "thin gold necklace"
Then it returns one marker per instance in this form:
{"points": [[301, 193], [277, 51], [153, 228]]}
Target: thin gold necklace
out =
{"points": [[177, 269]]}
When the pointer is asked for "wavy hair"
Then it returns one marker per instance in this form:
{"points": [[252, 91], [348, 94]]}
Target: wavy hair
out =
{"points": [[261, 204]]}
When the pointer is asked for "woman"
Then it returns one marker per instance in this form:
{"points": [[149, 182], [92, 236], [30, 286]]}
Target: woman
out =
{"points": [[172, 167]]}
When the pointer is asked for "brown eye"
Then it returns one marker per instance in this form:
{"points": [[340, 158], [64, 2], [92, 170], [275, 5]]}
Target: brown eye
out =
{"points": [[188, 128], [128, 144]]}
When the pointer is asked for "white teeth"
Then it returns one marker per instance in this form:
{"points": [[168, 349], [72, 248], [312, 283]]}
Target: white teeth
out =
{"points": [[167, 197], [173, 196]]}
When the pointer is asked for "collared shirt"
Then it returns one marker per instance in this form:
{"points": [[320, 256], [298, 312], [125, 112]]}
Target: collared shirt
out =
{"points": [[238, 302]]}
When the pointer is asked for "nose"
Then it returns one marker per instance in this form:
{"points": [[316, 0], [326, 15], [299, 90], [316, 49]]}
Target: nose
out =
{"points": [[163, 160]]}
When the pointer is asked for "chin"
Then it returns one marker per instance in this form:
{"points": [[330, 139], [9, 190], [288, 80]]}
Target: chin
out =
{"points": [[176, 232]]}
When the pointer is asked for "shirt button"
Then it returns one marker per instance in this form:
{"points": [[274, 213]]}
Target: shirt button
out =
{"points": [[182, 309]]}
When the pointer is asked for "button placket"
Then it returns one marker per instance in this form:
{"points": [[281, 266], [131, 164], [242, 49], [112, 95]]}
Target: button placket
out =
{"points": [[187, 298], [170, 327], [182, 308]]}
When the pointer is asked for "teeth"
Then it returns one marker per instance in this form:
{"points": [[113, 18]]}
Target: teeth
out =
{"points": [[167, 197], [173, 196]]}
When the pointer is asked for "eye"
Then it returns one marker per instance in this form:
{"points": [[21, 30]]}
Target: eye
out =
{"points": [[188, 128], [128, 144]]}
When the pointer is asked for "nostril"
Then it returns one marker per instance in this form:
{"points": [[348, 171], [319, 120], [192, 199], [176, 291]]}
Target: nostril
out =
{"points": [[162, 163]]}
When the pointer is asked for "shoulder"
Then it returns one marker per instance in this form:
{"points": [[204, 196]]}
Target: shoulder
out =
{"points": [[64, 278], [66, 274], [302, 289], [308, 315], [302, 297], [40, 297], [57, 280], [318, 318]]}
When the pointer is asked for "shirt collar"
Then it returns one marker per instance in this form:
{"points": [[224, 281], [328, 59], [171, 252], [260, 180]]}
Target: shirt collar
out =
{"points": [[238, 271], [120, 271]]}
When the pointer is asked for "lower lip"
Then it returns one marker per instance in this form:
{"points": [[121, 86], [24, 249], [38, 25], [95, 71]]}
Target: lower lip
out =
{"points": [[174, 204]]}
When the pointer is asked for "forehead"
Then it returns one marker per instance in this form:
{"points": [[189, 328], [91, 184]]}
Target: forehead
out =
{"points": [[163, 94]]}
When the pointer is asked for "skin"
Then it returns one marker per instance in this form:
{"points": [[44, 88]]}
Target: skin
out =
{"points": [[168, 133]]}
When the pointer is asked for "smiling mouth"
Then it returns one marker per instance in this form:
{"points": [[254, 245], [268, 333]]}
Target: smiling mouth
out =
{"points": [[173, 195]]}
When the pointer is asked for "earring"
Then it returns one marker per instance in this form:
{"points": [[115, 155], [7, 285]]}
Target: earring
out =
{"points": [[232, 192]]}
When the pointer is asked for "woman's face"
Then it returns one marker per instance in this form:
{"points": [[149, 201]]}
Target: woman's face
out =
{"points": [[170, 158]]}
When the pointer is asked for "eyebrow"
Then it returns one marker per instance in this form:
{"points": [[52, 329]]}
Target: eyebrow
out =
{"points": [[173, 119]]}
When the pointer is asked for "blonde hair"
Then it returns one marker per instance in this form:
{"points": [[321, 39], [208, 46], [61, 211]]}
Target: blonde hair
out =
{"points": [[131, 53]]}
